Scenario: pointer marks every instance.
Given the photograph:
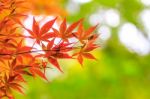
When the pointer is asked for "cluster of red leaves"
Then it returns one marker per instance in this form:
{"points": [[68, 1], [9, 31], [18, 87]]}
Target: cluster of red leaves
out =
{"points": [[18, 59]]}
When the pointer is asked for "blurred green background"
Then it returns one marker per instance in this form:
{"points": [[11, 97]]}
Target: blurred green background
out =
{"points": [[123, 67]]}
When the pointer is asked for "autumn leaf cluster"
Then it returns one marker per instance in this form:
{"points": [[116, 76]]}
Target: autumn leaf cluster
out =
{"points": [[18, 59]]}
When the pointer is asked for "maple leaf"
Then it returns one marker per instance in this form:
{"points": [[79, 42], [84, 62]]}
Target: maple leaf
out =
{"points": [[82, 35], [34, 68], [64, 32], [84, 52], [37, 71], [49, 53], [11, 83], [41, 34], [18, 69], [54, 52]]}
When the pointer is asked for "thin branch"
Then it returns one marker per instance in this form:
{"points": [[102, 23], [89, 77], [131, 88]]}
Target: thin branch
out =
{"points": [[36, 51]]}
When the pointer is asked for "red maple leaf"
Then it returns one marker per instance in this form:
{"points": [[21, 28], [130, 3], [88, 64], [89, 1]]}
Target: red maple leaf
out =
{"points": [[41, 34]]}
